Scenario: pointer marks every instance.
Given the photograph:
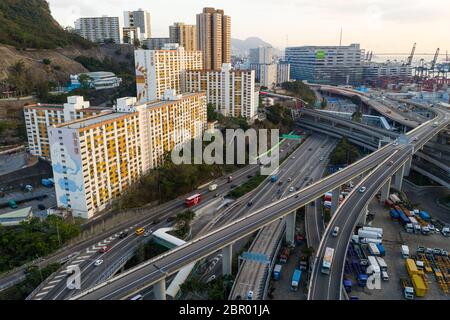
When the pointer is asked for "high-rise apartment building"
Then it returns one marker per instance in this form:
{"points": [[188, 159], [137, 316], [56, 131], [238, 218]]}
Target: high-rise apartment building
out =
{"points": [[232, 92], [183, 34], [159, 70], [138, 19], [214, 37], [262, 55], [38, 117], [155, 43], [95, 159], [99, 29], [335, 65], [268, 75], [283, 72]]}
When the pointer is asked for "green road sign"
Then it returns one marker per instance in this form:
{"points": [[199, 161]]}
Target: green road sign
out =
{"points": [[320, 54], [291, 136]]}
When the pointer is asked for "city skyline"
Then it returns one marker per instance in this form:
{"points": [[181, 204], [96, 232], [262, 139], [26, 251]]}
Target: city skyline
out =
{"points": [[382, 26]]}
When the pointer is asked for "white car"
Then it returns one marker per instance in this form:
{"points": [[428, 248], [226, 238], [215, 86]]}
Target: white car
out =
{"points": [[212, 278], [321, 159], [250, 295], [335, 231], [362, 189], [147, 233], [98, 262], [291, 189]]}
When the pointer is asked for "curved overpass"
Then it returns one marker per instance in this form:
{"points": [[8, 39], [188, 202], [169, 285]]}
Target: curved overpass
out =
{"points": [[323, 287]]}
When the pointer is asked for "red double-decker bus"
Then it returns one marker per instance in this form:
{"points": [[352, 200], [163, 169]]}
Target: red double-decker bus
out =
{"points": [[192, 200]]}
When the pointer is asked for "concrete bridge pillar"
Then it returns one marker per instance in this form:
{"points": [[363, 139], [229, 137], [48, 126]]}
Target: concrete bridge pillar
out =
{"points": [[363, 217], [290, 228], [398, 178], [335, 199], [408, 166], [227, 259], [159, 290], [385, 190]]}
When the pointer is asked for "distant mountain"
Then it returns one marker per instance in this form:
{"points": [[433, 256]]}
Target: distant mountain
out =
{"points": [[241, 47]]}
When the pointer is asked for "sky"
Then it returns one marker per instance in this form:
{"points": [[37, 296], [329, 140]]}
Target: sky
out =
{"points": [[382, 26]]}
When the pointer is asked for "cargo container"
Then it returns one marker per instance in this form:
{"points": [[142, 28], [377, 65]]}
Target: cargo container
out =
{"points": [[277, 272], [378, 230], [369, 234], [382, 264], [394, 214], [419, 285], [424, 215], [411, 267], [368, 240], [403, 218]]}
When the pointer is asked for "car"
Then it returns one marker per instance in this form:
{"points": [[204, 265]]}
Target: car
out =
{"points": [[147, 233], [216, 195], [362, 189], [279, 191], [321, 159], [104, 249], [250, 203], [249, 176], [293, 157], [250, 295], [210, 279], [420, 249], [289, 179], [306, 178], [291, 189], [415, 138], [280, 183], [309, 149], [296, 196], [335, 231], [238, 297], [297, 188], [98, 262], [390, 163], [123, 234], [170, 219], [41, 206], [395, 144], [156, 221]]}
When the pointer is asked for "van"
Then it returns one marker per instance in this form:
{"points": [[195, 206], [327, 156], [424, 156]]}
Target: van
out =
{"points": [[384, 276], [140, 231], [405, 251]]}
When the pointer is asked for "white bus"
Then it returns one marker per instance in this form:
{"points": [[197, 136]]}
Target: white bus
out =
{"points": [[138, 297], [327, 260]]}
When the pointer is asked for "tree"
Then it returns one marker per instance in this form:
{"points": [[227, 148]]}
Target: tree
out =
{"points": [[323, 103], [84, 80], [18, 77], [136, 43], [211, 112], [357, 116]]}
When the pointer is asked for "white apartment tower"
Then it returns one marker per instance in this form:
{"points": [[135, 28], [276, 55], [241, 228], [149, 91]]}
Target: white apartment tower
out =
{"points": [[232, 92], [159, 70], [99, 29]]}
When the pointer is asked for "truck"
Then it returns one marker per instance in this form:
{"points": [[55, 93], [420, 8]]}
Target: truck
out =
{"points": [[230, 179], [47, 183], [408, 290], [296, 280], [277, 272], [445, 231], [381, 249], [382, 264], [284, 256], [327, 260], [368, 240], [424, 215], [369, 234], [411, 267], [273, 178], [375, 268], [373, 249], [12, 204], [405, 251], [212, 187], [394, 198]]}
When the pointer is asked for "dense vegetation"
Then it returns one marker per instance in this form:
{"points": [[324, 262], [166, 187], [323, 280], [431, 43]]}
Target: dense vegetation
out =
{"points": [[29, 24], [301, 90], [344, 153], [29, 241], [248, 186], [183, 224], [218, 289], [34, 277]]}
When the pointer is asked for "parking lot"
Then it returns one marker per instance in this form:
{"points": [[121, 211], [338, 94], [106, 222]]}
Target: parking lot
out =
{"points": [[394, 235], [48, 202]]}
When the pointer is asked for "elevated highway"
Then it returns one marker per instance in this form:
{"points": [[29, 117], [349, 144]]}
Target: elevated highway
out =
{"points": [[155, 271]]}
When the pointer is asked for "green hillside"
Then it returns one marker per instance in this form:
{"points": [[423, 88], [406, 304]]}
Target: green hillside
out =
{"points": [[29, 24]]}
